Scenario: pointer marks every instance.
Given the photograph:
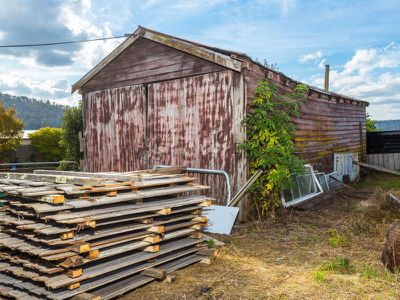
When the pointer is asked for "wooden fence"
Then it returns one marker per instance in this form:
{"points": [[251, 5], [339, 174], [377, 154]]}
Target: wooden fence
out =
{"points": [[383, 149]]}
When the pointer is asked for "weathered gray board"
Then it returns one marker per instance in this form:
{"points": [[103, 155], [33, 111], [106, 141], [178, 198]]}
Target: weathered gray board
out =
{"points": [[386, 160]]}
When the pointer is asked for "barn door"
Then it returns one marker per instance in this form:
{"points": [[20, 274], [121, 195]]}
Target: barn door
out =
{"points": [[114, 129], [190, 124]]}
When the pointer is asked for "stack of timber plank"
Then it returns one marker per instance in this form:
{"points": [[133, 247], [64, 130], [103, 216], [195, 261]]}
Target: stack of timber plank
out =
{"points": [[96, 235]]}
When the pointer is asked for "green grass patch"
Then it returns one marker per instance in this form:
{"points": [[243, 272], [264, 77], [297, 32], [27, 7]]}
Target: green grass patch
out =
{"points": [[338, 264], [384, 181], [370, 272], [338, 240], [319, 276]]}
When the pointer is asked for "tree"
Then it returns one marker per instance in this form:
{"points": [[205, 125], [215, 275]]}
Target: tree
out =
{"points": [[46, 140], [11, 130], [371, 124], [71, 126]]}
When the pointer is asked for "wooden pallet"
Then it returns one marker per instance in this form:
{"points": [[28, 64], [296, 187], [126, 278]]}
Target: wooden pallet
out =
{"points": [[64, 233]]}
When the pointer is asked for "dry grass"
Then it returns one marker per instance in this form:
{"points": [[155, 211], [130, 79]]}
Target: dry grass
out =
{"points": [[332, 253]]}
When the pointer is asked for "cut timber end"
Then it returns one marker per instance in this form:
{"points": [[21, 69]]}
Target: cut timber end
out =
{"points": [[206, 203], [73, 273], [201, 219], [72, 261], [197, 226], [152, 239], [197, 235], [156, 273], [165, 211], [81, 248], [55, 199], [74, 286], [94, 254], [146, 221], [156, 229], [67, 235], [152, 248], [90, 224]]}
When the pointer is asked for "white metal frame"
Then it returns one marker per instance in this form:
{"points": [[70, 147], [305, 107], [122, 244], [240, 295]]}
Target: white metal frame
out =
{"points": [[317, 187]]}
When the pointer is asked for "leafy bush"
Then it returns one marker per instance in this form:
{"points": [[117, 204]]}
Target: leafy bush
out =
{"points": [[46, 140], [11, 130], [269, 144], [371, 124], [71, 125]]}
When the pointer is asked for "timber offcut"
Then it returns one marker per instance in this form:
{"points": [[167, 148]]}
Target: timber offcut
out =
{"points": [[78, 235]]}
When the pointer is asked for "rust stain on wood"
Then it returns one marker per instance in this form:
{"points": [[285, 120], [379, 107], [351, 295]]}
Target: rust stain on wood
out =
{"points": [[114, 127], [190, 123]]}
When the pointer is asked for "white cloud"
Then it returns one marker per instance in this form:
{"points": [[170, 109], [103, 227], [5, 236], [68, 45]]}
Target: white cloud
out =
{"points": [[370, 75], [77, 19], [366, 60], [58, 90], [310, 56]]}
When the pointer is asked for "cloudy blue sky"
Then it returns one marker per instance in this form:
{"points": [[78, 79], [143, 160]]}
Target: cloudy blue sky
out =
{"points": [[359, 39]]}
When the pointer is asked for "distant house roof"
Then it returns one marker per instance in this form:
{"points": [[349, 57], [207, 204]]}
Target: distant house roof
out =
{"points": [[227, 58]]}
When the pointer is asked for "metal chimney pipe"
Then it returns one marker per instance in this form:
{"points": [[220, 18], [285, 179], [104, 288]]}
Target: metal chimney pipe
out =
{"points": [[326, 85]]}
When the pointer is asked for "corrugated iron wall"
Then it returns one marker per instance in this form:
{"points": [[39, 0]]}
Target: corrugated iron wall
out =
{"points": [[190, 123], [114, 122]]}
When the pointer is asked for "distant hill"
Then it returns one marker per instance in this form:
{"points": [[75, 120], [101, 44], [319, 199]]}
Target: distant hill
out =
{"points": [[387, 125], [34, 113]]}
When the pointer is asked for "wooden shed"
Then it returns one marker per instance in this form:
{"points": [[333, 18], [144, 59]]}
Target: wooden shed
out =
{"points": [[158, 99]]}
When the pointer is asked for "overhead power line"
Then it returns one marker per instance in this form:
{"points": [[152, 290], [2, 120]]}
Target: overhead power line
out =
{"points": [[62, 43]]}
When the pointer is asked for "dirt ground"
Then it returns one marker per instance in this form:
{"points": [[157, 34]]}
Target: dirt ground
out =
{"points": [[331, 253]]}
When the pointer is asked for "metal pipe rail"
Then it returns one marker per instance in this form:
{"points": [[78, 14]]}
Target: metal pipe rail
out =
{"points": [[208, 171]]}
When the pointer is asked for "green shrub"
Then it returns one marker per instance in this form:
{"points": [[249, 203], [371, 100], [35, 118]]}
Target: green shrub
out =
{"points": [[46, 141], [71, 125], [269, 145]]}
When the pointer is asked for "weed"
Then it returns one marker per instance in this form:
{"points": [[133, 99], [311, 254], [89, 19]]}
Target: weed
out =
{"points": [[338, 264], [369, 272], [338, 240], [210, 243], [319, 276]]}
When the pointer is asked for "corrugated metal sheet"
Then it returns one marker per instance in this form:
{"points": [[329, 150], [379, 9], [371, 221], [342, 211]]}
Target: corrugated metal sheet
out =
{"points": [[190, 123], [114, 129]]}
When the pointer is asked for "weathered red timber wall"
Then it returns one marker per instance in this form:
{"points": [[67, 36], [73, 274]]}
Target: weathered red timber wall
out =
{"points": [[328, 124], [146, 61], [114, 122], [190, 123]]}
